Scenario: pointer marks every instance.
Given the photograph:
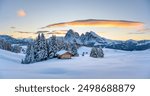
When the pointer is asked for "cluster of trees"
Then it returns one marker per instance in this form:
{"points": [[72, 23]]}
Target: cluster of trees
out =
{"points": [[5, 45], [9, 47], [43, 49], [97, 52]]}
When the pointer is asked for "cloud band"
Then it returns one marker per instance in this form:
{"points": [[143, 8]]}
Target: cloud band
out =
{"points": [[98, 23]]}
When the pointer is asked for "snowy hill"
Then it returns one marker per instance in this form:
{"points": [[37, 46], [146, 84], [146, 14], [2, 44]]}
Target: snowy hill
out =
{"points": [[12, 40], [115, 64]]}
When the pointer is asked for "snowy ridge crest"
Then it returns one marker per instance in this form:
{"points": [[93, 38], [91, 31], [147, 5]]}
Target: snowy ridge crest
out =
{"points": [[91, 39]]}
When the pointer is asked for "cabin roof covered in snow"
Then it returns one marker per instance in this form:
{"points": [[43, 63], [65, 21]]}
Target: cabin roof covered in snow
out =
{"points": [[61, 52]]}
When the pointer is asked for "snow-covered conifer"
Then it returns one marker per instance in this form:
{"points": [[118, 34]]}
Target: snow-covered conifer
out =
{"points": [[83, 54], [43, 48], [53, 47], [74, 49], [97, 52], [29, 58]]}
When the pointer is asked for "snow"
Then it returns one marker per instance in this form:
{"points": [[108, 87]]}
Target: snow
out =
{"points": [[115, 64], [96, 44], [61, 52]]}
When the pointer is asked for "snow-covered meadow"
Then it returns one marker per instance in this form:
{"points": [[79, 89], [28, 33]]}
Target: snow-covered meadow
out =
{"points": [[115, 64]]}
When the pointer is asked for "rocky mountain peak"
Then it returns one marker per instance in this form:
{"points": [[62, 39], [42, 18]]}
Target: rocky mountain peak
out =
{"points": [[71, 35]]}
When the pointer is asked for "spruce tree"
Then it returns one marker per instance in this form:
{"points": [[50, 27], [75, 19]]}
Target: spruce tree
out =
{"points": [[74, 50], [43, 48], [53, 47], [32, 54], [37, 48], [29, 58], [37, 51]]}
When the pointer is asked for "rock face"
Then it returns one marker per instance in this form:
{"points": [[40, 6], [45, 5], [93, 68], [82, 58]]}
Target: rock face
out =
{"points": [[87, 39], [71, 36], [91, 39]]}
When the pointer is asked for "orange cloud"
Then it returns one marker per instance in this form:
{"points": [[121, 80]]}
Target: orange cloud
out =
{"points": [[99, 23], [22, 34], [21, 13]]}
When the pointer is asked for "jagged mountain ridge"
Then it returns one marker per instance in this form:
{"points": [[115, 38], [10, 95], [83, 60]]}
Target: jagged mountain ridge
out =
{"points": [[92, 39], [87, 39]]}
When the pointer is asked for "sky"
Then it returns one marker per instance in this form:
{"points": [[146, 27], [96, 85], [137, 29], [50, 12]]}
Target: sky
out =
{"points": [[112, 19]]}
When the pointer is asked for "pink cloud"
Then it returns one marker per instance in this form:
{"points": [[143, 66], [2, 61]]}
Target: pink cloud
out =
{"points": [[21, 13]]}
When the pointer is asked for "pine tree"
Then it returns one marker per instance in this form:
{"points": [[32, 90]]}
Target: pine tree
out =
{"points": [[32, 54], [100, 52], [41, 48], [38, 51], [60, 44], [16, 49], [54, 44], [67, 46], [5, 45], [83, 54], [37, 48], [29, 58], [74, 50], [53, 47]]}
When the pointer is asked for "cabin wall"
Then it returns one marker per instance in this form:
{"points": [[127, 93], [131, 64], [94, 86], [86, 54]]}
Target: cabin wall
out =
{"points": [[65, 56]]}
